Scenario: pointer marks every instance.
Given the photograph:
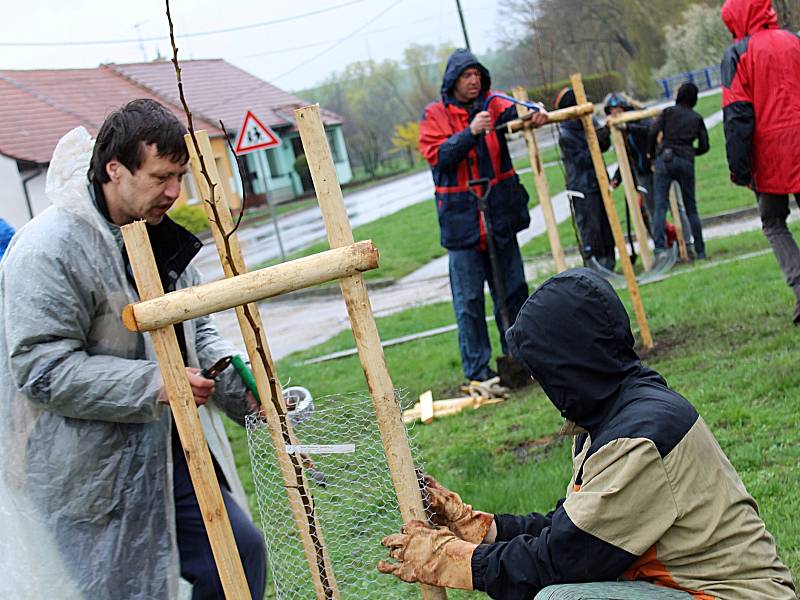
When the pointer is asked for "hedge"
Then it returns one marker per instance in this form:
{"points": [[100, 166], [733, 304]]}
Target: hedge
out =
{"points": [[597, 86], [192, 218]]}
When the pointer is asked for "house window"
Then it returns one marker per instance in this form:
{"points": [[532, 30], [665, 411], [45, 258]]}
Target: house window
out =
{"points": [[274, 162], [334, 146]]}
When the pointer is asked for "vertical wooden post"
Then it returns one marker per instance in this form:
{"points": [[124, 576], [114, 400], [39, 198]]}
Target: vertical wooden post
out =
{"points": [[362, 321], [632, 196], [675, 209], [542, 190], [187, 421], [611, 211], [269, 390]]}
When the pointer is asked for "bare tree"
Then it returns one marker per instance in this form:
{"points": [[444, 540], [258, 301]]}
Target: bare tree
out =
{"points": [[788, 13]]}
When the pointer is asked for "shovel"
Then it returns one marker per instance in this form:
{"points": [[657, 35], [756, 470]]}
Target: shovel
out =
{"points": [[512, 374]]}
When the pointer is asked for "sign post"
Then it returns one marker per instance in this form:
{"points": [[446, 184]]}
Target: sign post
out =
{"points": [[254, 135]]}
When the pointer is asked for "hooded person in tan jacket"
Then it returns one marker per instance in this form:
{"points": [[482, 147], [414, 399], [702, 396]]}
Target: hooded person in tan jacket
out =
{"points": [[654, 508]]}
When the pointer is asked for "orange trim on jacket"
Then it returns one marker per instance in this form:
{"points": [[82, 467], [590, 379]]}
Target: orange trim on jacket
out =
{"points": [[648, 568]]}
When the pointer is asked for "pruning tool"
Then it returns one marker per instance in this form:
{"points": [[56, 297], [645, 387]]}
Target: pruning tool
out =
{"points": [[218, 367]]}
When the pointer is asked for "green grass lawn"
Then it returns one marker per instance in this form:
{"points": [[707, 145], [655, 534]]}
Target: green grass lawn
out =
{"points": [[723, 339], [406, 240], [708, 105]]}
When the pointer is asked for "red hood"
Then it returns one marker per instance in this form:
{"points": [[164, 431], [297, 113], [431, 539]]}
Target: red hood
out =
{"points": [[745, 17]]}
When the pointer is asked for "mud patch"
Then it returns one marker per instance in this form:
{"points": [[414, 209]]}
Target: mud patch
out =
{"points": [[531, 450]]}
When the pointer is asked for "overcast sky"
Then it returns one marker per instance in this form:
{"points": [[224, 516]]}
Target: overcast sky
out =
{"points": [[294, 54]]}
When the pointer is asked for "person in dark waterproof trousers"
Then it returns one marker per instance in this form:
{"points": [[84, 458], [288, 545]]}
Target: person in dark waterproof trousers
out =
{"points": [[457, 137], [679, 127], [590, 214], [654, 510], [761, 110]]}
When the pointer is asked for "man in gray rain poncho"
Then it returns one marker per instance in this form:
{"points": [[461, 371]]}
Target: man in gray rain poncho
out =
{"points": [[95, 498]]}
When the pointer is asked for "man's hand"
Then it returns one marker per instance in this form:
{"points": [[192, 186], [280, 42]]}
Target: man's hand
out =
{"points": [[482, 123], [539, 118], [448, 509], [430, 555], [202, 388]]}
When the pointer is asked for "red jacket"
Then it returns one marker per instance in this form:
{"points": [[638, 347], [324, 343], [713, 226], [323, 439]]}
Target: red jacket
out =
{"points": [[761, 98], [456, 156]]}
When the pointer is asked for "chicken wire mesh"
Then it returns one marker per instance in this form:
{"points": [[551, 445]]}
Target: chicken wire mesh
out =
{"points": [[353, 499]]}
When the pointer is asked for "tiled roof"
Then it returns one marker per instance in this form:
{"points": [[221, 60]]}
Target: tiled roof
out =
{"points": [[218, 90], [40, 106]]}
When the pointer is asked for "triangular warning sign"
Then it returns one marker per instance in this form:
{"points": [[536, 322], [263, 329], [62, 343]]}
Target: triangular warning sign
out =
{"points": [[254, 135]]}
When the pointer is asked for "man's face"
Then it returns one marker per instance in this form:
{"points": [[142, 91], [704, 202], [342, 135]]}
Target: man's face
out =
{"points": [[615, 110], [468, 85], [146, 194]]}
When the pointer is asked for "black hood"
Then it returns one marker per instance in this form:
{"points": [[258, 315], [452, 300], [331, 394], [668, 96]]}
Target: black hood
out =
{"points": [[687, 95], [574, 336], [460, 60]]}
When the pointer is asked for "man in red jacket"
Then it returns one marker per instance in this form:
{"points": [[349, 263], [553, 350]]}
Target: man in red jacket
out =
{"points": [[761, 79], [457, 137]]}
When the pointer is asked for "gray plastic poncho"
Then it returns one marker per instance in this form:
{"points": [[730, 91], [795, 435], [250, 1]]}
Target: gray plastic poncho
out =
{"points": [[86, 505]]}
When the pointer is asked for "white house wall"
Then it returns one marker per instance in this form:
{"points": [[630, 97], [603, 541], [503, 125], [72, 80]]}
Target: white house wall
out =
{"points": [[13, 207]]}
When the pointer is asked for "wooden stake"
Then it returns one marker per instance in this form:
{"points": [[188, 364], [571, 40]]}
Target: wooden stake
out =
{"points": [[426, 406], [187, 421], [190, 303], [611, 211], [633, 115], [539, 177], [269, 390], [632, 197], [675, 209], [365, 332], [556, 116]]}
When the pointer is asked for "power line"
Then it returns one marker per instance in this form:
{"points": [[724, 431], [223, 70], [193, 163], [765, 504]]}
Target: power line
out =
{"points": [[305, 62], [160, 38], [403, 25], [337, 42]]}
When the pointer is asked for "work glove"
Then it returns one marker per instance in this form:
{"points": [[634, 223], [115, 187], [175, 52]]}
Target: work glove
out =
{"points": [[430, 555], [446, 508]]}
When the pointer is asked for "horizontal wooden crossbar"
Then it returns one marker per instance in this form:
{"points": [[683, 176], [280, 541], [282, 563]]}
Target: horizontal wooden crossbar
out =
{"points": [[633, 115], [190, 303], [556, 116]]}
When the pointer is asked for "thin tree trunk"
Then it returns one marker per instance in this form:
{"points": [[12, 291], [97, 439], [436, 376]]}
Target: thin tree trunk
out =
{"points": [[788, 14]]}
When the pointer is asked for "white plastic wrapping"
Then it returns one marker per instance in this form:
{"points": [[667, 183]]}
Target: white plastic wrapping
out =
{"points": [[86, 507]]}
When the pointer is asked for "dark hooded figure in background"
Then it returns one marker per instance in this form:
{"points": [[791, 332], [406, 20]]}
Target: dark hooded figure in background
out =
{"points": [[654, 508], [457, 137], [678, 128], [597, 241]]}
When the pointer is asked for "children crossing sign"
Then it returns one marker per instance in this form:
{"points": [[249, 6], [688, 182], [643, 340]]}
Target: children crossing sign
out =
{"points": [[254, 135]]}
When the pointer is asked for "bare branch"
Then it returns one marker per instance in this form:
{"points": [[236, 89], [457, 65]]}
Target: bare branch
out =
{"points": [[276, 396], [242, 176]]}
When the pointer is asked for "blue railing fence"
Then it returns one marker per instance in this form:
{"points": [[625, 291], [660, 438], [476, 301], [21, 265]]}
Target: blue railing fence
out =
{"points": [[707, 78]]}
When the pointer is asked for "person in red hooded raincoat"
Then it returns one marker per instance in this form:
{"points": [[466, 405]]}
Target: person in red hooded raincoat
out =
{"points": [[761, 106]]}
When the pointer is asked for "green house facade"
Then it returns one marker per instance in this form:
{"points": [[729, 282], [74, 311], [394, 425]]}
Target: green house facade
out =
{"points": [[271, 172]]}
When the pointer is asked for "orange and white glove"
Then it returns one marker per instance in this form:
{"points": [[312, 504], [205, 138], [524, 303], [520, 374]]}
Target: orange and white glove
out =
{"points": [[430, 555], [447, 508]]}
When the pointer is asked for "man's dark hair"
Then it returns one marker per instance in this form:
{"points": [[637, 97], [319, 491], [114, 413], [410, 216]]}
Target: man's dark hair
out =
{"points": [[126, 131], [687, 95]]}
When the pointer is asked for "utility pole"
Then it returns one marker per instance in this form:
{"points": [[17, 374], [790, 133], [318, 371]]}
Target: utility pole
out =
{"points": [[463, 25], [141, 42]]}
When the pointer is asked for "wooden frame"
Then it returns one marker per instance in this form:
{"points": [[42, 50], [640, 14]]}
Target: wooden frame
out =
{"points": [[345, 261], [628, 182], [542, 190], [611, 212]]}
